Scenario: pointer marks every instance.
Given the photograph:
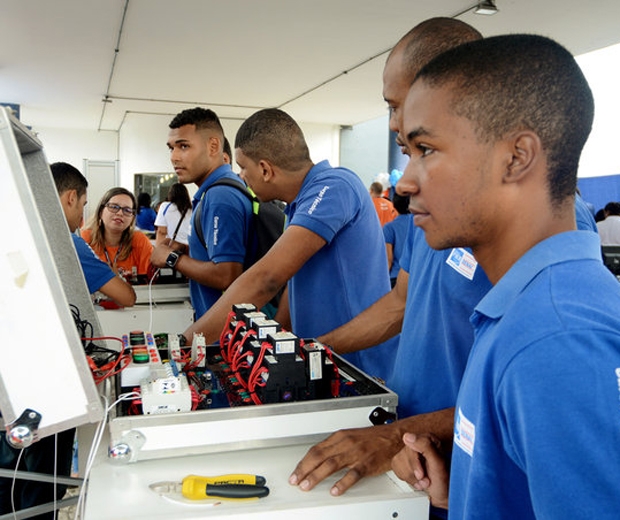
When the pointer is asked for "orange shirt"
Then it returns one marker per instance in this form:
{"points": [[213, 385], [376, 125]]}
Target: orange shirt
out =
{"points": [[139, 258], [385, 209]]}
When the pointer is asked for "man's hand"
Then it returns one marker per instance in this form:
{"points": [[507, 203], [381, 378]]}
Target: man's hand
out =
{"points": [[160, 254], [421, 464], [364, 451]]}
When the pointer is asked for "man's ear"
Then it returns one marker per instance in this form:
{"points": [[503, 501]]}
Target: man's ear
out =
{"points": [[214, 145], [70, 197], [526, 154], [267, 170]]}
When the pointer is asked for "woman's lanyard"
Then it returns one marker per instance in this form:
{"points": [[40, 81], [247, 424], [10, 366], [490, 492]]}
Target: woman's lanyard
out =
{"points": [[107, 257]]}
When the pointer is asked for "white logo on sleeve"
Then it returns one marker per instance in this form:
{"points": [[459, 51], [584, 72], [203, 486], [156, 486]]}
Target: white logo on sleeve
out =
{"points": [[463, 262], [464, 433]]}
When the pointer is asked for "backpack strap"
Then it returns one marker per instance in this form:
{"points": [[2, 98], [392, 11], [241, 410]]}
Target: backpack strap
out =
{"points": [[197, 223]]}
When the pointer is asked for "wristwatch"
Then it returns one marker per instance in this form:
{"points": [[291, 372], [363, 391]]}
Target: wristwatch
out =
{"points": [[173, 258]]}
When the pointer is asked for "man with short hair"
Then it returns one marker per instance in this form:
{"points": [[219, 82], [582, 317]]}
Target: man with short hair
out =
{"points": [[494, 146], [430, 306], [331, 256], [384, 207], [196, 144], [609, 228], [71, 186], [431, 302]]}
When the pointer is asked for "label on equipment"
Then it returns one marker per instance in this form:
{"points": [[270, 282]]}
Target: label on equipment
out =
{"points": [[316, 368]]}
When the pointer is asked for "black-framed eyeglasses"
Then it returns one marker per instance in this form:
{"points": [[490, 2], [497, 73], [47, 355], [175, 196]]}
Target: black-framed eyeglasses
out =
{"points": [[115, 208]]}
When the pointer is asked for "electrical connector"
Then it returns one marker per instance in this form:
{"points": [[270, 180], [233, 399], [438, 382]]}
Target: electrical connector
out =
{"points": [[199, 350]]}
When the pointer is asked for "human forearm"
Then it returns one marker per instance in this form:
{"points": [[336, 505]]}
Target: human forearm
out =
{"points": [[217, 276], [378, 323], [250, 287], [366, 451], [119, 291], [439, 423]]}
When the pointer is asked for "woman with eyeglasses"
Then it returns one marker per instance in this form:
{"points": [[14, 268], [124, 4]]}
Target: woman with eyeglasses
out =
{"points": [[112, 235]]}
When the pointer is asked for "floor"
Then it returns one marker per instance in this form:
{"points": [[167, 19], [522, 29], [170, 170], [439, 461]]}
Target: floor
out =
{"points": [[68, 513]]}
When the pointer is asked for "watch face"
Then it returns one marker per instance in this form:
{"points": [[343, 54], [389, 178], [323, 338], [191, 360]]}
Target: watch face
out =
{"points": [[172, 259]]}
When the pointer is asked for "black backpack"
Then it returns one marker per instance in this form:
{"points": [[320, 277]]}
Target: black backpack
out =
{"points": [[267, 223]]}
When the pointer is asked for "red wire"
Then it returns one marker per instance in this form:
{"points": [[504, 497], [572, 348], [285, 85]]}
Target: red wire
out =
{"points": [[223, 342]]}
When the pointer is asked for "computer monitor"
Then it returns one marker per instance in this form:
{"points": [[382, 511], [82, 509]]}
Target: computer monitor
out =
{"points": [[611, 258], [43, 365]]}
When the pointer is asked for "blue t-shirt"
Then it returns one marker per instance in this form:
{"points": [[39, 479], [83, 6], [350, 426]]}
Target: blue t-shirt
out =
{"points": [[583, 215], [395, 233], [537, 427], [225, 223], [96, 272], [350, 272], [145, 219], [436, 335]]}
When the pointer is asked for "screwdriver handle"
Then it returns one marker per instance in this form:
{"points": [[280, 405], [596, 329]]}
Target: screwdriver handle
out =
{"points": [[236, 491], [194, 486]]}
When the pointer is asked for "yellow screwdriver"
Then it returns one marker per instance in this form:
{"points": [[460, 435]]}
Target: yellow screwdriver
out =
{"points": [[235, 486]]}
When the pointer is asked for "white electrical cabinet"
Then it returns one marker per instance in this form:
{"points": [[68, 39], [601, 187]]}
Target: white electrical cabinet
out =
{"points": [[43, 365]]}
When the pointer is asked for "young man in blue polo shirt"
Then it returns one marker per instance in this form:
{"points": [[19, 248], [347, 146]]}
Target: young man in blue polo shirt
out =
{"points": [[71, 186], [331, 255], [494, 145], [430, 306], [196, 144]]}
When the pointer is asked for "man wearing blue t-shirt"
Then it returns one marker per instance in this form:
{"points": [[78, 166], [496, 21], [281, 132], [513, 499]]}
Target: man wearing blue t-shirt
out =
{"points": [[71, 186], [196, 144], [331, 256], [434, 296], [494, 147]]}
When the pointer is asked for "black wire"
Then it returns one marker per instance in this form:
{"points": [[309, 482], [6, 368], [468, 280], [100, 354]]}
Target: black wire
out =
{"points": [[100, 355]]}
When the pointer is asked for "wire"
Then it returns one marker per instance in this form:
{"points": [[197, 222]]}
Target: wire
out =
{"points": [[81, 505], [19, 457], [111, 365], [223, 340], [155, 274]]}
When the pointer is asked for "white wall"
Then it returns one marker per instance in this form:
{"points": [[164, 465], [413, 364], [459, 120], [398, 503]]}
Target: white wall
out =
{"points": [[600, 157], [364, 148], [140, 146], [73, 146]]}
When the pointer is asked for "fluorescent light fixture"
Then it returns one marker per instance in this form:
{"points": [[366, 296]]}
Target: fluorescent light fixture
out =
{"points": [[486, 7]]}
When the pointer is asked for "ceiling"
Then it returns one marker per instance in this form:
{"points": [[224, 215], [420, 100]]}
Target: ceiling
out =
{"points": [[90, 64]]}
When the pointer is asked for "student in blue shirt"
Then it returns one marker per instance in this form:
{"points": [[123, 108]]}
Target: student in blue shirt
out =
{"points": [[395, 233], [71, 186], [331, 256], [196, 144], [494, 147], [145, 215], [430, 305]]}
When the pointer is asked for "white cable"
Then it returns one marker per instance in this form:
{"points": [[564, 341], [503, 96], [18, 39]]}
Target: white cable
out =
{"points": [[19, 458], [81, 505], [151, 299], [55, 468]]}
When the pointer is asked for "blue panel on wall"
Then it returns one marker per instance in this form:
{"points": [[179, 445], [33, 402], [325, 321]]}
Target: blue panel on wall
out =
{"points": [[600, 190]]}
